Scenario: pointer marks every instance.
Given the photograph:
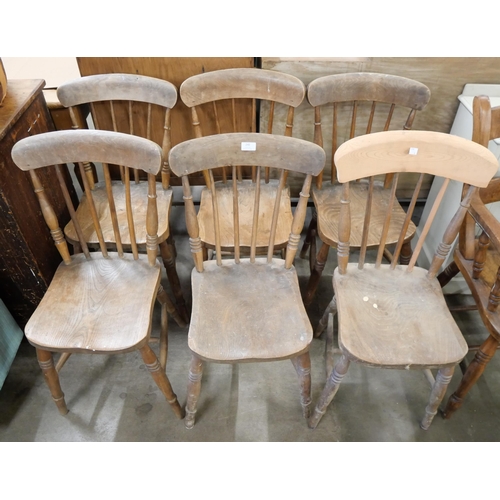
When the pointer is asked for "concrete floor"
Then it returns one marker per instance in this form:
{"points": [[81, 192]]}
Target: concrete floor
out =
{"points": [[113, 398]]}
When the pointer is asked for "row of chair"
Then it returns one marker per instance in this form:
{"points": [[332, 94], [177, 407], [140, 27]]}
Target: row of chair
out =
{"points": [[246, 307]]}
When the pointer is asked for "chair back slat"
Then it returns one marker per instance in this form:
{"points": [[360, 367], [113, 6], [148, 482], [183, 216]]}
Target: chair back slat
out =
{"points": [[152, 221], [192, 224], [425, 153], [130, 215], [76, 146], [278, 152], [369, 125]]}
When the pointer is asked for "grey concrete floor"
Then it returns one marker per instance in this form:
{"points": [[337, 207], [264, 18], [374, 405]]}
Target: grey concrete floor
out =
{"points": [[113, 398]]}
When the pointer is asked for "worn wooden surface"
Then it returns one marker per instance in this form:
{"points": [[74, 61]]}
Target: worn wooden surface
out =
{"points": [[28, 258], [384, 322]]}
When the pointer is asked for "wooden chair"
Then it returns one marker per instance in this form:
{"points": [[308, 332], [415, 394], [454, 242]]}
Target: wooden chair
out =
{"points": [[247, 309], [240, 94], [99, 302], [392, 315], [361, 103], [477, 257], [130, 104]]}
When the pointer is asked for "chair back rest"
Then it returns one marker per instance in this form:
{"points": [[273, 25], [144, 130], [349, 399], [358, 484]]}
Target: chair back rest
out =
{"points": [[363, 103], [77, 146], [421, 152], [125, 103], [217, 95], [246, 149]]}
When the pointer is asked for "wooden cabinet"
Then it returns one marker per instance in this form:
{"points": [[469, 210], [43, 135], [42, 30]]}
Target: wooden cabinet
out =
{"points": [[28, 258]]}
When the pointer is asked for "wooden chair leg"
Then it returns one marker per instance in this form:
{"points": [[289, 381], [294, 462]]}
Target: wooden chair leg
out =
{"points": [[163, 298], [310, 234], [193, 392], [323, 322], [319, 265], [164, 337], [331, 388], [443, 378], [161, 379], [173, 278], [448, 274], [302, 365], [471, 375], [405, 255], [51, 376]]}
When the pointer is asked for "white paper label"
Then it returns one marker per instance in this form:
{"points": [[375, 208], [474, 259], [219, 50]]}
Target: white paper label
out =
{"points": [[413, 151], [249, 146]]}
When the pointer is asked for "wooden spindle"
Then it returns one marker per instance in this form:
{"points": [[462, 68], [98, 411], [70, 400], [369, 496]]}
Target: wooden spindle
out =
{"points": [[407, 221], [274, 221], [387, 222], [298, 222], [115, 129], [112, 209], [450, 234], [494, 297], [236, 217], [131, 132], [50, 218], [152, 222], [352, 132], [427, 226], [192, 225], [270, 121], [72, 212], [318, 139], [197, 132], [366, 224], [480, 255], [93, 211], [166, 145], [333, 172], [344, 230], [216, 219], [289, 129], [253, 244], [130, 216], [370, 119], [388, 177]]}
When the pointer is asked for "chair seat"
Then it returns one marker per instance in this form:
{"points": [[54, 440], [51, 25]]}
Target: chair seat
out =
{"points": [[480, 288], [327, 203], [139, 196], [98, 305], [261, 321], [395, 319], [246, 199]]}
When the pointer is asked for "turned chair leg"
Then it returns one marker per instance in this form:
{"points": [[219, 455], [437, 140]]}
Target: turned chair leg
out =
{"points": [[302, 365], [310, 234], [438, 391], [329, 391], [323, 322], [193, 391], [448, 274], [316, 273], [164, 299], [471, 375], [168, 258], [51, 376], [161, 379], [405, 255]]}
